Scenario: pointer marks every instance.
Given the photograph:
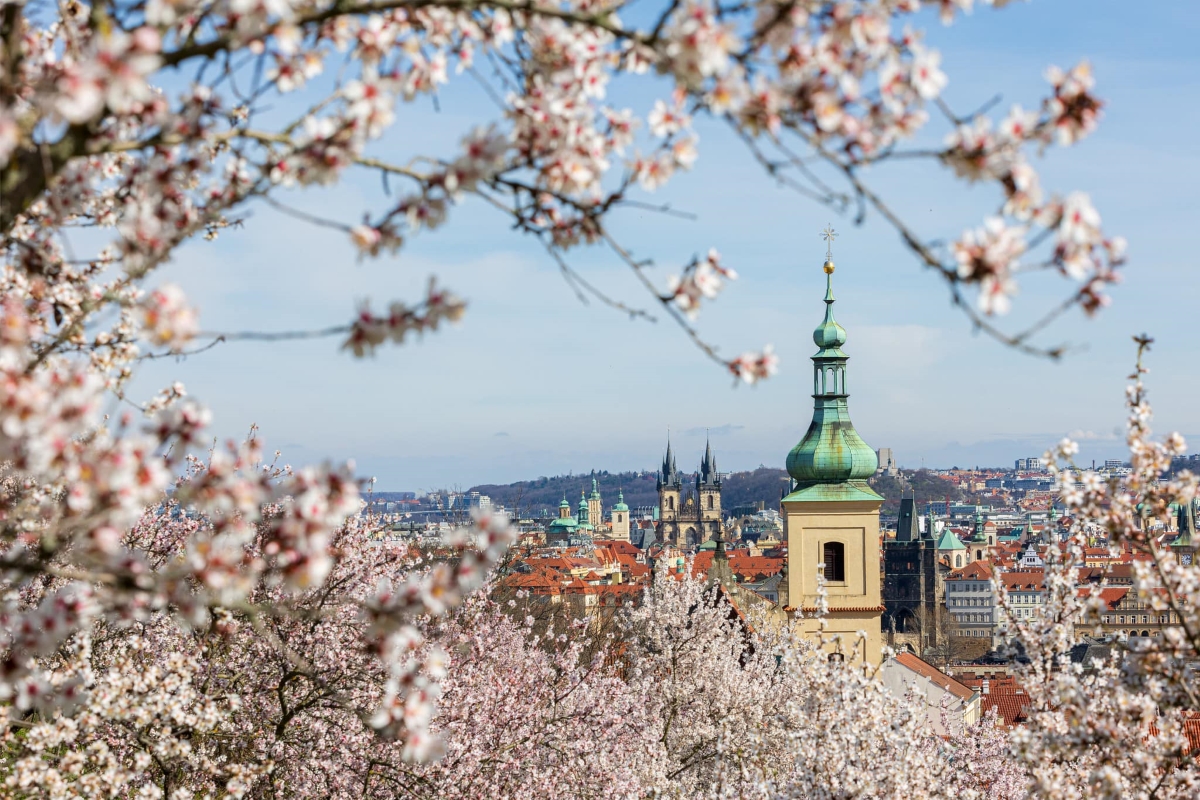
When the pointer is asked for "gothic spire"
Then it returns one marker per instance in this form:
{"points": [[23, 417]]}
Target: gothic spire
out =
{"points": [[708, 468], [669, 476], [907, 527], [1185, 521]]}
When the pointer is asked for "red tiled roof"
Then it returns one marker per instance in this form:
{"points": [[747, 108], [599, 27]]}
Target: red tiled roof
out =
{"points": [[617, 547], [1002, 694], [1191, 730], [939, 678], [975, 571], [1024, 581], [1010, 707], [754, 567], [1112, 597]]}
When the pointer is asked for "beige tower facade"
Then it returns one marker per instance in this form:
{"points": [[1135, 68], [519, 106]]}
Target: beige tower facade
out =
{"points": [[595, 507], [837, 540], [831, 516], [620, 519]]}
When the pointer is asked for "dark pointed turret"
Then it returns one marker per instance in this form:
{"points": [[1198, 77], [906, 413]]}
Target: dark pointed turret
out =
{"points": [[1186, 540], [907, 529], [668, 477], [720, 571], [708, 468]]}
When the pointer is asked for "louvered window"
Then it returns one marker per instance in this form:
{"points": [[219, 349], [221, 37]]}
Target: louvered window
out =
{"points": [[835, 561]]}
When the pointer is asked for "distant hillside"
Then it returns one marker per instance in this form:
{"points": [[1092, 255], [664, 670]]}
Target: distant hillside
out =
{"points": [[929, 488], [739, 490], [531, 497]]}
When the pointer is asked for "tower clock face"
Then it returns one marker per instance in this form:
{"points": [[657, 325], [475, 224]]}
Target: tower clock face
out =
{"points": [[1186, 559]]}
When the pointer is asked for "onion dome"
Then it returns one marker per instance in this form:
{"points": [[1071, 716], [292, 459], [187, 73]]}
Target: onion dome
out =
{"points": [[831, 452], [620, 506], [829, 335]]}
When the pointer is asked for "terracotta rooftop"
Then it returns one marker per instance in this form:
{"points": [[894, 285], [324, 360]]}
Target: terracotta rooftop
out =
{"points": [[1024, 581], [935, 675], [975, 571], [1004, 695]]}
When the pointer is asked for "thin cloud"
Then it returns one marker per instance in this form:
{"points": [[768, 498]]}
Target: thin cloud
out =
{"points": [[720, 430]]}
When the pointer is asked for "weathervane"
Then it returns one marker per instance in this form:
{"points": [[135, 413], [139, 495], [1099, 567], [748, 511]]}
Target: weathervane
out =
{"points": [[829, 234]]}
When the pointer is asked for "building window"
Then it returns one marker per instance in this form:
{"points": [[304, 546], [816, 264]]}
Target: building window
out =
{"points": [[835, 561], [710, 502], [671, 503]]}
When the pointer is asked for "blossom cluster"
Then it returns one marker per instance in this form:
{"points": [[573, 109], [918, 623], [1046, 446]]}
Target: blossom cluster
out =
{"points": [[754, 367], [843, 83], [369, 330], [990, 256], [701, 279]]}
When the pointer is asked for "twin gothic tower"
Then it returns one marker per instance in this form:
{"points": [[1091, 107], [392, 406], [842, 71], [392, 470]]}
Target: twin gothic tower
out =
{"points": [[695, 518]]}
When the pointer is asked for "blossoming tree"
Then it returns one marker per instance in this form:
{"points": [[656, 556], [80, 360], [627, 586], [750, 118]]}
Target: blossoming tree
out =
{"points": [[179, 623], [148, 121]]}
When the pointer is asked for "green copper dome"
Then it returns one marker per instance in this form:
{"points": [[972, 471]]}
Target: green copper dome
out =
{"points": [[831, 451], [564, 503], [620, 506], [829, 335]]}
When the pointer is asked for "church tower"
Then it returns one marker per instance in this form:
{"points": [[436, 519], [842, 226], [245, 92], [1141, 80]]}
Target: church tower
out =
{"points": [[668, 499], [594, 506], [582, 517], [708, 495], [620, 519], [831, 517], [1184, 545]]}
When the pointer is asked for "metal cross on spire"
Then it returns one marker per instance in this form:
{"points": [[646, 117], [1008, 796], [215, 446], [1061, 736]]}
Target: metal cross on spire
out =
{"points": [[829, 234]]}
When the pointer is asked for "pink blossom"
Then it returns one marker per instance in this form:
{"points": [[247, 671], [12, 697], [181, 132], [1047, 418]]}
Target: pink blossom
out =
{"points": [[167, 318]]}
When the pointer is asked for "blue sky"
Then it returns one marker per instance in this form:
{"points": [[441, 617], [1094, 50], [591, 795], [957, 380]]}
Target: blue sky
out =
{"points": [[535, 383]]}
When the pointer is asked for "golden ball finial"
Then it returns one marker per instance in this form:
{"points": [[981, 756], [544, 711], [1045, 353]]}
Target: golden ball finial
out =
{"points": [[829, 234]]}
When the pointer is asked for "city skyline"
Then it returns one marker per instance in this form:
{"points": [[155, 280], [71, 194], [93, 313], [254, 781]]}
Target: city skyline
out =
{"points": [[503, 396]]}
